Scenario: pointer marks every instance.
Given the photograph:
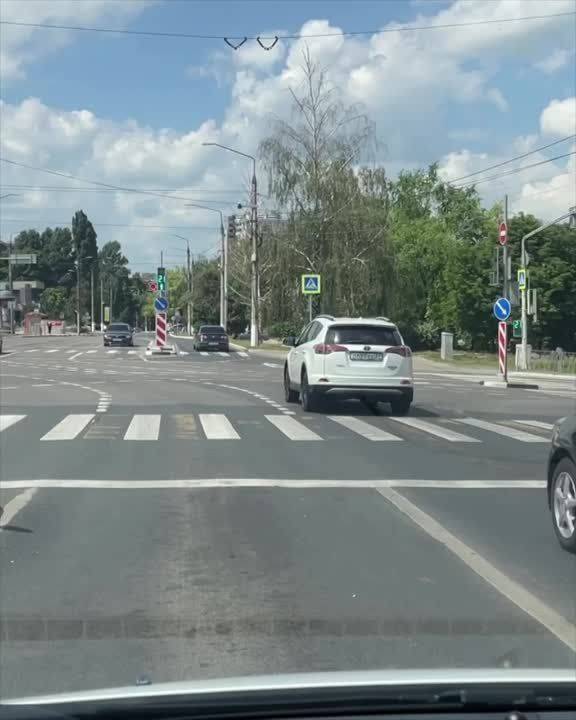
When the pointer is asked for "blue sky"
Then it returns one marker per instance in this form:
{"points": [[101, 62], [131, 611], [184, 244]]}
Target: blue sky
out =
{"points": [[134, 111]]}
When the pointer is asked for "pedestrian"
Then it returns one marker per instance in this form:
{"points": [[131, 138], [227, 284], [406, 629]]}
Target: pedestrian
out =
{"points": [[49, 328]]}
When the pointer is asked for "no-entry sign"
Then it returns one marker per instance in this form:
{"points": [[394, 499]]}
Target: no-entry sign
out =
{"points": [[503, 233]]}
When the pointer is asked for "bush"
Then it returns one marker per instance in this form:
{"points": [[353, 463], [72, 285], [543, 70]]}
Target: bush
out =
{"points": [[284, 329]]}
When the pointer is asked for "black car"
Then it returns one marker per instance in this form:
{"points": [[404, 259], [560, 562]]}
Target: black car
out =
{"points": [[118, 334], [562, 482], [211, 337]]}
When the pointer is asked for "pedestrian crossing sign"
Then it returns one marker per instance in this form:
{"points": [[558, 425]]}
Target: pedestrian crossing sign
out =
{"points": [[310, 284]]}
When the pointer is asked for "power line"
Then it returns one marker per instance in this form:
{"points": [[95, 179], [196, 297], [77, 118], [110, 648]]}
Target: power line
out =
{"points": [[94, 182], [517, 170], [275, 38], [104, 224], [517, 157], [67, 188]]}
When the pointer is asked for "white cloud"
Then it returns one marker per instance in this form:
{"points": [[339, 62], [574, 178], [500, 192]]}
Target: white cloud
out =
{"points": [[20, 46], [558, 119], [559, 58]]}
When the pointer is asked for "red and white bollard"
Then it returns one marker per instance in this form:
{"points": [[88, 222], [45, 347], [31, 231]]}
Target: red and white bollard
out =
{"points": [[502, 351], [161, 330]]}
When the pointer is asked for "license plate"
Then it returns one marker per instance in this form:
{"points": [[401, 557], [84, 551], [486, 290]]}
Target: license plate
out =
{"points": [[370, 356]]}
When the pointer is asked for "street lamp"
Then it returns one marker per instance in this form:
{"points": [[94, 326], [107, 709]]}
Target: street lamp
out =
{"points": [[255, 284], [571, 217], [223, 265], [190, 306]]}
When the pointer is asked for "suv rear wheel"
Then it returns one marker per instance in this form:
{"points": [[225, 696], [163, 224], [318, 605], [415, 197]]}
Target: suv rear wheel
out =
{"points": [[290, 395], [563, 503], [401, 405], [308, 398]]}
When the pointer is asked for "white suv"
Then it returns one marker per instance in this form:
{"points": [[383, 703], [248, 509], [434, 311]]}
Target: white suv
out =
{"points": [[356, 357]]}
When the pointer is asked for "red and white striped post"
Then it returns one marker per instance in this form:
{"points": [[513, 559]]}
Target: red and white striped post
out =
{"points": [[502, 350], [161, 332]]}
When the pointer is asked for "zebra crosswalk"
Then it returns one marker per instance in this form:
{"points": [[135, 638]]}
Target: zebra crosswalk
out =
{"points": [[152, 427]]}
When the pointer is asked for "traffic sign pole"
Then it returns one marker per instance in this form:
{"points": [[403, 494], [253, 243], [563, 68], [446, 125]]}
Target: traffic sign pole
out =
{"points": [[503, 351]]}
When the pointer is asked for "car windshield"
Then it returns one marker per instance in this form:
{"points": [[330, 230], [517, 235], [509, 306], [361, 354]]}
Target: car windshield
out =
{"points": [[363, 335], [324, 436]]}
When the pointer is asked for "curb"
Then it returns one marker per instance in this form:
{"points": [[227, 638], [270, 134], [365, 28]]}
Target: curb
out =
{"points": [[502, 384]]}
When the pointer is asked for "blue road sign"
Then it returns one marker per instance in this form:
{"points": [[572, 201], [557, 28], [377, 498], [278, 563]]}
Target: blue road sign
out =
{"points": [[161, 304], [310, 284], [502, 309]]}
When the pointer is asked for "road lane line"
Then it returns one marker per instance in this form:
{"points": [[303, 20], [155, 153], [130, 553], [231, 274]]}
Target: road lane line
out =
{"points": [[15, 505], [205, 354], [131, 352], [53, 351], [224, 354], [90, 352], [555, 623], [68, 428], [437, 430], [508, 432], [143, 427], [72, 357], [316, 483], [111, 352], [292, 428], [68, 352], [7, 421], [536, 424], [32, 350], [218, 427], [42, 384], [242, 354], [364, 429]]}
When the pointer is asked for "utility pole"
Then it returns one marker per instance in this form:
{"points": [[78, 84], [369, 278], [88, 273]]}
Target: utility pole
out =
{"points": [[77, 292], [254, 304], [101, 302], [189, 269], [92, 323], [223, 276], [11, 302], [505, 285]]}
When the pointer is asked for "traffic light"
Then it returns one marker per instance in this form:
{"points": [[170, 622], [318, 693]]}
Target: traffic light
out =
{"points": [[517, 328], [161, 279], [231, 227]]}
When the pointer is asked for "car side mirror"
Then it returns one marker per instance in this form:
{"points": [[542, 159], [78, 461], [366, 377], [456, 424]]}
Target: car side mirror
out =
{"points": [[290, 341]]}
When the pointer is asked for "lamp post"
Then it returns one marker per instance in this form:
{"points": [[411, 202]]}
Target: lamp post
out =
{"points": [[223, 265], [189, 304], [255, 284], [571, 216]]}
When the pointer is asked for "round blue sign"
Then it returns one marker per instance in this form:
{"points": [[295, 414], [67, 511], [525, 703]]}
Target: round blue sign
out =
{"points": [[502, 309], [161, 304]]}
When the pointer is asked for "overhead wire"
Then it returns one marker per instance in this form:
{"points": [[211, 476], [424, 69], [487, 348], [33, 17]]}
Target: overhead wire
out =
{"points": [[282, 36], [514, 171]]}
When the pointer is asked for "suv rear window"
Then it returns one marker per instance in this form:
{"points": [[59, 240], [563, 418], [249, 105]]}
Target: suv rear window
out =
{"points": [[362, 335]]}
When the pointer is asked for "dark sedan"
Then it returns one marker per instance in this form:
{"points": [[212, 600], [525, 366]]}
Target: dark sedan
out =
{"points": [[211, 337], [562, 482], [118, 334]]}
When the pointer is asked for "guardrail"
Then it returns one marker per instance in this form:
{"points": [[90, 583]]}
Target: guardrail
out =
{"points": [[553, 361]]}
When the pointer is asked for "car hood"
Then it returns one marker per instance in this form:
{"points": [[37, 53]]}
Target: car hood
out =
{"points": [[368, 680]]}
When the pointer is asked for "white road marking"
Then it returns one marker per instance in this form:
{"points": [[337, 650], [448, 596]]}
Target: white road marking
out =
{"points": [[205, 354], [70, 351], [143, 427], [131, 352], [437, 430], [363, 428], [72, 357], [224, 354], [502, 430], [68, 428], [43, 385], [272, 365], [555, 623], [15, 505], [56, 350], [292, 428], [10, 387], [242, 354], [164, 484], [182, 352], [218, 427], [536, 424], [7, 421], [32, 350], [89, 352], [111, 352]]}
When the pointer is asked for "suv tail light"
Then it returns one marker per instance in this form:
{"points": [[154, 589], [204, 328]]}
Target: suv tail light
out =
{"points": [[327, 348], [403, 350]]}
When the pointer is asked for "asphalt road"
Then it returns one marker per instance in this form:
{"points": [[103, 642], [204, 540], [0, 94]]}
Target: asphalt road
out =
{"points": [[175, 518]]}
